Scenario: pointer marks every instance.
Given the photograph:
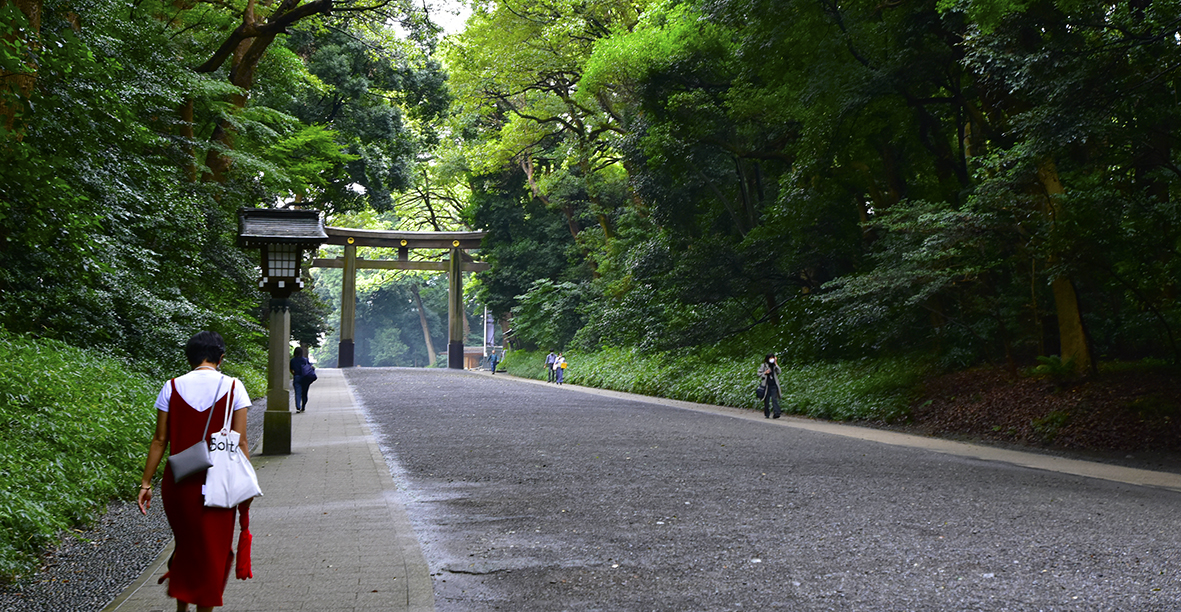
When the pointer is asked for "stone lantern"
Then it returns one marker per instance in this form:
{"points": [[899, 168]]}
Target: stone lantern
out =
{"points": [[281, 235]]}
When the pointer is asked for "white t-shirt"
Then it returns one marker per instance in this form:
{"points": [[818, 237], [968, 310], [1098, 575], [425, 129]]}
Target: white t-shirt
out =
{"points": [[198, 387]]}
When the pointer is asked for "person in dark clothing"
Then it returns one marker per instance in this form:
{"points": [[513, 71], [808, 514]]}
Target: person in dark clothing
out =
{"points": [[769, 371], [549, 366], [299, 383]]}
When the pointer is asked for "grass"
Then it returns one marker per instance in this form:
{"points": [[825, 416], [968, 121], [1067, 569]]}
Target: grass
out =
{"points": [[74, 432], [879, 389]]}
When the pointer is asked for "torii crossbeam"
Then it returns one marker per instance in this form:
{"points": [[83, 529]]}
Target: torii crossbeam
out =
{"points": [[458, 262]]}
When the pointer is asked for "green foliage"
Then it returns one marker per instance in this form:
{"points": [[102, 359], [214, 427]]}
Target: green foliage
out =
{"points": [[526, 241], [1048, 426], [549, 314], [1053, 367], [104, 241], [310, 313], [867, 389], [246, 362], [75, 433], [525, 364], [360, 86], [871, 177]]}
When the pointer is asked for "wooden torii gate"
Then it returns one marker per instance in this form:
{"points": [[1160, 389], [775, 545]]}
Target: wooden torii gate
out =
{"points": [[458, 262]]}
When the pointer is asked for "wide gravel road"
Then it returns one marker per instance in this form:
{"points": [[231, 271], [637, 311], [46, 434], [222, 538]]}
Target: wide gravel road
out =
{"points": [[538, 497]]}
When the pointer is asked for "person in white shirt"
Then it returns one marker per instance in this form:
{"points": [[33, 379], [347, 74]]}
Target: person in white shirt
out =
{"points": [[560, 368], [188, 410]]}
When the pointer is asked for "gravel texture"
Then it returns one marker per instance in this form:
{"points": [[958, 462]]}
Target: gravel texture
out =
{"points": [[93, 565], [532, 497]]}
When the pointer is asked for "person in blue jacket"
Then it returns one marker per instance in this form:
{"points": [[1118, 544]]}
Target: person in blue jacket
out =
{"points": [[298, 382]]}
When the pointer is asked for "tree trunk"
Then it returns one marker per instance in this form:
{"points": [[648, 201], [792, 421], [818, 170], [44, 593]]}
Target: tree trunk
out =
{"points": [[772, 307], [1071, 332], [246, 47], [17, 85], [596, 202], [426, 328]]}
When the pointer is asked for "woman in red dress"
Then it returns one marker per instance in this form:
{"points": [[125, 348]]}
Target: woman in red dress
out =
{"points": [[201, 563]]}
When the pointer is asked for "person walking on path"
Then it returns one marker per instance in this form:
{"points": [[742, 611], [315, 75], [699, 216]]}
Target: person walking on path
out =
{"points": [[769, 373], [200, 564], [549, 366], [493, 359], [560, 368], [300, 381]]}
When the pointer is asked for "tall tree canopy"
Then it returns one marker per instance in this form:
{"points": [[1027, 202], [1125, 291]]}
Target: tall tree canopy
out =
{"points": [[986, 180], [130, 134]]}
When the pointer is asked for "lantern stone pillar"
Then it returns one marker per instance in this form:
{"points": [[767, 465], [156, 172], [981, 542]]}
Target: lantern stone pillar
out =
{"points": [[276, 424], [281, 235]]}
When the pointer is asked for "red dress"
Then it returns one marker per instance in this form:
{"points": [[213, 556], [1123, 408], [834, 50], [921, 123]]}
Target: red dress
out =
{"points": [[204, 536]]}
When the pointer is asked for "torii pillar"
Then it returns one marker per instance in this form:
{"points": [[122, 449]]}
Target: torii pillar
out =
{"points": [[455, 312], [348, 307]]}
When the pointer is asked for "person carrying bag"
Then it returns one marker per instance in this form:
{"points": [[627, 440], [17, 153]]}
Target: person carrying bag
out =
{"points": [[203, 535], [303, 374], [768, 389], [196, 457]]}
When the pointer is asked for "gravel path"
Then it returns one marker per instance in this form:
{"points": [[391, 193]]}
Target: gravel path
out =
{"points": [[533, 497], [94, 565], [529, 497]]}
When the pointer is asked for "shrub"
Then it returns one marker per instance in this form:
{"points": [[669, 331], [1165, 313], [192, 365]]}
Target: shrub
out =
{"points": [[526, 364], [726, 376], [75, 431]]}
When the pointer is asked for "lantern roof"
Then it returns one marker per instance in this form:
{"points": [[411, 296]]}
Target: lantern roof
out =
{"points": [[258, 227]]}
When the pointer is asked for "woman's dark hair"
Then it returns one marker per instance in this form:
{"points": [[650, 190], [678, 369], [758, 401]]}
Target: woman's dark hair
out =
{"points": [[768, 357], [298, 352], [205, 346]]}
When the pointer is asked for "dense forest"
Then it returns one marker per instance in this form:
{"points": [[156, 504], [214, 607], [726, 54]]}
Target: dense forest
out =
{"points": [[878, 191], [985, 181]]}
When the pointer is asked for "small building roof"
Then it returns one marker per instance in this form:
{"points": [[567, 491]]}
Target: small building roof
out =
{"points": [[258, 227]]}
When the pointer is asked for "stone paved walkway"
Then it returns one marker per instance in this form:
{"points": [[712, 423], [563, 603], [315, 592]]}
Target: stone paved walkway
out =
{"points": [[329, 533]]}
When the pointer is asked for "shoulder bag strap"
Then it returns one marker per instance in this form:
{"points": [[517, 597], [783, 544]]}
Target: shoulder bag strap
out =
{"points": [[209, 419], [225, 426]]}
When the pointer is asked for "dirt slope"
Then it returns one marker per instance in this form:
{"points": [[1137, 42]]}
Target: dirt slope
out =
{"points": [[1118, 411]]}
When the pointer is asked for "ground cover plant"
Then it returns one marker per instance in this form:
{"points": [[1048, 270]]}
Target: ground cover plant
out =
{"points": [[74, 432], [878, 390], [1128, 406]]}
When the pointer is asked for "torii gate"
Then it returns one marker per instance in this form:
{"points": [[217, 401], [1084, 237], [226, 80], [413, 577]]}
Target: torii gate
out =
{"points": [[458, 263], [282, 235]]}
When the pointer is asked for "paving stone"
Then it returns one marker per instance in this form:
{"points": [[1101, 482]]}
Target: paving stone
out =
{"points": [[329, 529]]}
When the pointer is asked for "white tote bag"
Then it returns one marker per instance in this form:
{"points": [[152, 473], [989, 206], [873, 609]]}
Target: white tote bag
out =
{"points": [[231, 480]]}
